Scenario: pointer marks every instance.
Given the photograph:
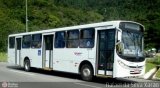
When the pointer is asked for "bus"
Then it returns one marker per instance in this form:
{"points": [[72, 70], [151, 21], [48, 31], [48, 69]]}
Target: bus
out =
{"points": [[105, 49]]}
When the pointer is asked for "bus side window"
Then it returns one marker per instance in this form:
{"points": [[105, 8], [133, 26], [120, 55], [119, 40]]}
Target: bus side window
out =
{"points": [[36, 41], [59, 39], [73, 39], [26, 43], [11, 42], [87, 38]]}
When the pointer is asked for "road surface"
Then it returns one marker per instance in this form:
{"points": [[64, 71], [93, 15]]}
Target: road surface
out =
{"points": [[16, 77]]}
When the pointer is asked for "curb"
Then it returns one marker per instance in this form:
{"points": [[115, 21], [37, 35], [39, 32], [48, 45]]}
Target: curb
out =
{"points": [[151, 75]]}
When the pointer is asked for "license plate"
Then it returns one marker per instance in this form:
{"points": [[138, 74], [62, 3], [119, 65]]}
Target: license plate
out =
{"points": [[136, 71]]}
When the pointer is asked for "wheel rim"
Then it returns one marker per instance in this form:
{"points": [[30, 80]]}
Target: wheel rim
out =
{"points": [[86, 72], [26, 66]]}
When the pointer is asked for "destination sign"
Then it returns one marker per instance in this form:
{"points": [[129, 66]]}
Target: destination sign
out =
{"points": [[130, 26]]}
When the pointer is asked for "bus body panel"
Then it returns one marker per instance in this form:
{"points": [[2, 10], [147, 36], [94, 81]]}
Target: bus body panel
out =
{"points": [[69, 59], [36, 57], [121, 70], [32, 54], [11, 56]]}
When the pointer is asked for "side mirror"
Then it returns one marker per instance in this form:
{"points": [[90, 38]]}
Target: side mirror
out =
{"points": [[119, 35], [120, 48]]}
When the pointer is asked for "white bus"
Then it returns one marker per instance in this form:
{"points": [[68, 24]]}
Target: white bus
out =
{"points": [[105, 49]]}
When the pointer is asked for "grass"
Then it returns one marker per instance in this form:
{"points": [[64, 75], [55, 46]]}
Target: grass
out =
{"points": [[151, 63], [3, 57], [149, 66], [155, 60], [158, 74]]}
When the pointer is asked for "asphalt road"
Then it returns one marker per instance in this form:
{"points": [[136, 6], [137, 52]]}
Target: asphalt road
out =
{"points": [[16, 77]]}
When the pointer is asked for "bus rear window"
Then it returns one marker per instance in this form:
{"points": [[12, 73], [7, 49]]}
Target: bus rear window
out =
{"points": [[11, 42], [26, 41]]}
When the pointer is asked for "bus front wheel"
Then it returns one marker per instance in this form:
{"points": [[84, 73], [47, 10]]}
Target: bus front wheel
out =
{"points": [[27, 65], [86, 72]]}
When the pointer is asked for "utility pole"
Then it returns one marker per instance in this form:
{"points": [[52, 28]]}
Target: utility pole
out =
{"points": [[26, 16]]}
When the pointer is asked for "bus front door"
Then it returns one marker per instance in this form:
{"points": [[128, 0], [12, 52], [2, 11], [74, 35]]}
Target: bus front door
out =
{"points": [[48, 51], [106, 44], [18, 51]]}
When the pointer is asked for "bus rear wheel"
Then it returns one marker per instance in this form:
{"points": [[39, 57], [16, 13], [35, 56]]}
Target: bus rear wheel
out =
{"points": [[86, 72], [27, 65]]}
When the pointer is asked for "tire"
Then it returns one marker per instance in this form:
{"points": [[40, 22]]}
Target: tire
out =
{"points": [[27, 65], [86, 72]]}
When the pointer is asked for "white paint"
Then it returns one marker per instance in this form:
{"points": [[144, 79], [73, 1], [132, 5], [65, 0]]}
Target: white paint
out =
{"points": [[124, 71], [109, 72], [18, 57], [47, 58], [102, 72]]}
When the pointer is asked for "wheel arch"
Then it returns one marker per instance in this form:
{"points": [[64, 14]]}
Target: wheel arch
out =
{"points": [[83, 63], [26, 58]]}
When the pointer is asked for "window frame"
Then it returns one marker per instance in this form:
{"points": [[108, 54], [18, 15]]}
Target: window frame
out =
{"points": [[32, 41], [55, 41], [82, 39], [72, 39], [29, 46], [12, 44]]}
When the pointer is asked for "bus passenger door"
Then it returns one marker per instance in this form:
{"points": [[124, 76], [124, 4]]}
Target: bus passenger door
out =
{"points": [[106, 44], [48, 51], [18, 51]]}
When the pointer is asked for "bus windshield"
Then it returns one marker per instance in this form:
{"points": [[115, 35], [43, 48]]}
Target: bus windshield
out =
{"points": [[132, 44]]}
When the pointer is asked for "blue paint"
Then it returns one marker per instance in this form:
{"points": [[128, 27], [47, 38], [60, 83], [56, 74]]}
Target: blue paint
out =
{"points": [[39, 52]]}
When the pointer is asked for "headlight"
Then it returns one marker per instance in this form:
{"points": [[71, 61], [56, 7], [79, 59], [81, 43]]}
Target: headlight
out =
{"points": [[123, 65]]}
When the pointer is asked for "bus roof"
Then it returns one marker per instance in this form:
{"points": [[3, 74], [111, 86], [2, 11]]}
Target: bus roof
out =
{"points": [[99, 24]]}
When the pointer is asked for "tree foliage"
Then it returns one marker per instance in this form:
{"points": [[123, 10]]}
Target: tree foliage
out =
{"points": [[45, 14]]}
